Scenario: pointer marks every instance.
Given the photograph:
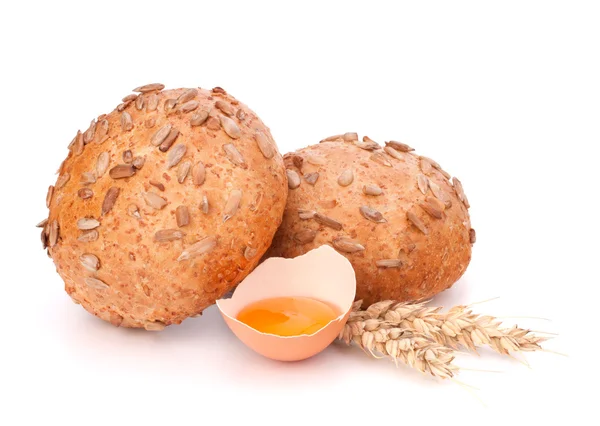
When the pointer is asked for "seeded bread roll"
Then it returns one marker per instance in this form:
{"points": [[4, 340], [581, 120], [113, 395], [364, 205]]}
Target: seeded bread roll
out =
{"points": [[396, 216], [164, 205]]}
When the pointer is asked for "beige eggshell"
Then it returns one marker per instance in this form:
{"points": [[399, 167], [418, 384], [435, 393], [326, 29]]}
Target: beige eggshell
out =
{"points": [[321, 274]]}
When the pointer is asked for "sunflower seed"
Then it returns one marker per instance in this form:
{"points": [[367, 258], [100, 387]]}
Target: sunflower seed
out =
{"points": [[126, 121], [101, 131], [332, 138], [62, 180], [138, 162], [240, 114], [219, 90], [423, 183], [149, 87], [460, 192], [372, 190], [127, 156], [393, 153], [232, 204], [42, 224], [95, 283], [90, 262], [129, 98], [372, 214], [88, 135], [53, 234], [350, 136], [165, 235], [121, 107], [150, 122], [198, 118], [435, 189], [378, 157], [85, 193], [311, 178], [134, 211], [154, 200], [230, 127], [293, 179], [306, 214], [225, 108], [152, 104], [472, 236], [186, 96], [77, 144], [234, 155], [201, 247], [305, 236], [169, 140], [204, 204], [434, 207], [121, 171], [175, 155], [445, 174], [426, 166], [399, 146], [327, 221], [161, 135], [367, 144], [346, 177], [183, 170], [347, 245], [87, 178], [87, 223], [418, 223], [102, 164], [189, 106], [250, 253], [169, 106], [157, 184], [199, 173], [265, 146], [182, 216], [139, 103], [110, 199], [315, 160], [154, 326], [49, 195], [213, 123], [88, 236], [44, 239], [389, 263]]}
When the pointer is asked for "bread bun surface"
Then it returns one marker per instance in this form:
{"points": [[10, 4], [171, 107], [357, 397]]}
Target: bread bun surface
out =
{"points": [[164, 205], [396, 216]]}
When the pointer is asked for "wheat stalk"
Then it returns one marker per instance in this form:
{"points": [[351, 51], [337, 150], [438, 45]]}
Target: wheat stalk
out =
{"points": [[425, 338], [412, 348]]}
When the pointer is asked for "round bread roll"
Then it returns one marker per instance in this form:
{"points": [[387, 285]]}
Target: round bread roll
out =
{"points": [[164, 205], [396, 216]]}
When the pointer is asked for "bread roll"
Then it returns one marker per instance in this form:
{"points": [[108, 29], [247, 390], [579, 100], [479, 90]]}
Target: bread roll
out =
{"points": [[396, 216], [163, 205]]}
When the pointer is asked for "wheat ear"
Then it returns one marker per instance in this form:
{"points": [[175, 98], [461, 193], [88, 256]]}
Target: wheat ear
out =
{"points": [[407, 346], [459, 327]]}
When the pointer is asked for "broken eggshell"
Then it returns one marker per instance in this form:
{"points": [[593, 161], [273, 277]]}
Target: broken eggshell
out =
{"points": [[321, 274]]}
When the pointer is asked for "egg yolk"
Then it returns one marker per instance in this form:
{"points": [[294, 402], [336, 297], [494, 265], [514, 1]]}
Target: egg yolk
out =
{"points": [[287, 316]]}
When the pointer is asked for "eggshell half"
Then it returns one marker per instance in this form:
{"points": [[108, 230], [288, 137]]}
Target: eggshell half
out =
{"points": [[321, 274]]}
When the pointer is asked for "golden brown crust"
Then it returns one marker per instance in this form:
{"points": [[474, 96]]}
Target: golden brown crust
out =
{"points": [[138, 280], [373, 195]]}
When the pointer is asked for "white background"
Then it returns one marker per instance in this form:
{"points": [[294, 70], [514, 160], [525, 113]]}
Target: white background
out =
{"points": [[505, 95]]}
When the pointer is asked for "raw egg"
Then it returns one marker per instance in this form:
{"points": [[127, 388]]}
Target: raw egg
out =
{"points": [[292, 309]]}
